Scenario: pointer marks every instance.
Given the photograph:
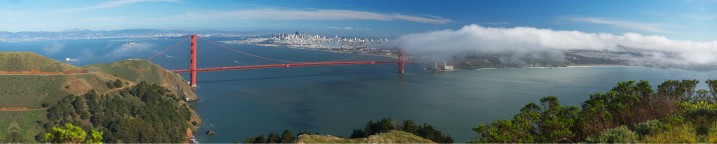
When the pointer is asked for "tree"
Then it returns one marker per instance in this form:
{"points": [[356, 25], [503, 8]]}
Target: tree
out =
{"points": [[67, 134], [651, 127], [110, 85], [409, 126], [595, 117], [712, 84], [81, 107], [273, 138], [287, 137], [688, 88], [617, 135], [117, 83], [502, 131], [260, 139], [95, 137], [156, 118], [626, 105], [557, 121]]}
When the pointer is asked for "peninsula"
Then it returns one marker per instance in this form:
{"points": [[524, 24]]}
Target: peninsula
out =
{"points": [[126, 101]]}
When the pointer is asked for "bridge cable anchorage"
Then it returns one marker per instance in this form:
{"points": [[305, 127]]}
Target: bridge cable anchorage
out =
{"points": [[168, 48], [245, 53]]}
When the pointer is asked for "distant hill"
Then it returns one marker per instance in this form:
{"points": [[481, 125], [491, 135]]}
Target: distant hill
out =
{"points": [[31, 83], [393, 136]]}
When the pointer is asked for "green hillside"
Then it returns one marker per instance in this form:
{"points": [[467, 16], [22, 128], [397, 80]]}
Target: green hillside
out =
{"points": [[143, 70], [27, 61], [32, 84], [133, 70], [393, 136]]}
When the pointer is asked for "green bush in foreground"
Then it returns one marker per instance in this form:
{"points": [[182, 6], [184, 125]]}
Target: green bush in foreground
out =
{"points": [[651, 127], [385, 125], [617, 135], [72, 134]]}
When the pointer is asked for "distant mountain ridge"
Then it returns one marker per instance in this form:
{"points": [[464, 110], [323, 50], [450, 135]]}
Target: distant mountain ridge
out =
{"points": [[21, 36]]}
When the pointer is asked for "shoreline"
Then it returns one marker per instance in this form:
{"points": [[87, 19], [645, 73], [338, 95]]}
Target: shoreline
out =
{"points": [[570, 66], [602, 65], [287, 47]]}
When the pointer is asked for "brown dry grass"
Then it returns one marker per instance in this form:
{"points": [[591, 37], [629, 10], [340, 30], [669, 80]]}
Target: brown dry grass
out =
{"points": [[76, 85]]}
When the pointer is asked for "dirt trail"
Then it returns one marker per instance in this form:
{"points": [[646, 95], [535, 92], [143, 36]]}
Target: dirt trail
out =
{"points": [[116, 89], [19, 109], [38, 72]]}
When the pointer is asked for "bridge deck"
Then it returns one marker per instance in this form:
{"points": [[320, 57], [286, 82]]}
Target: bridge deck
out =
{"points": [[288, 65]]}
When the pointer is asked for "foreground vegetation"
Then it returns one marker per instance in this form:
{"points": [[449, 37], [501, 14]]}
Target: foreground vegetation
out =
{"points": [[392, 136], [40, 94], [383, 131], [140, 114], [630, 112]]}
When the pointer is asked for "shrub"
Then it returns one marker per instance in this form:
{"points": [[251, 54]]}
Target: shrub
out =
{"points": [[651, 127], [616, 135]]}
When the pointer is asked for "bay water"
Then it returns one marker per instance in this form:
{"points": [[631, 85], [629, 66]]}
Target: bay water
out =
{"points": [[337, 99]]}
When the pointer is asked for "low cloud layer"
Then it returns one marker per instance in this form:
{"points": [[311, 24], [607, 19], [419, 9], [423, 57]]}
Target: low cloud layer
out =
{"points": [[527, 40], [53, 48], [127, 50]]}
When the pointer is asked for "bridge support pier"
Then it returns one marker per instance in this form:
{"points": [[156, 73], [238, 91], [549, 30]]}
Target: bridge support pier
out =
{"points": [[400, 61], [193, 62]]}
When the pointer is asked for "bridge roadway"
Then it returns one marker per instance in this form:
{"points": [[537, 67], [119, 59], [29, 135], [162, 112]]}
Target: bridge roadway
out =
{"points": [[287, 65]]}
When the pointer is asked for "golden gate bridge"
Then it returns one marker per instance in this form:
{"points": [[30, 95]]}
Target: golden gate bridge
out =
{"points": [[193, 68]]}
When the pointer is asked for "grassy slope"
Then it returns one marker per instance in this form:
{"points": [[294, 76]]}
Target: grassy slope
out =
{"points": [[25, 120], [25, 61], [393, 136], [33, 90], [142, 70]]}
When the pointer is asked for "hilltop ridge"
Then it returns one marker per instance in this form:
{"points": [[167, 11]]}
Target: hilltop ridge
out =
{"points": [[28, 61]]}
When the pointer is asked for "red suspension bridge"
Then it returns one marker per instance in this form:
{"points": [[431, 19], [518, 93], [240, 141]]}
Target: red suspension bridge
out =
{"points": [[248, 61]]}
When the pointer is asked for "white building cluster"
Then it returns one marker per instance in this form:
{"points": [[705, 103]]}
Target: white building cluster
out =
{"points": [[318, 42], [297, 40]]}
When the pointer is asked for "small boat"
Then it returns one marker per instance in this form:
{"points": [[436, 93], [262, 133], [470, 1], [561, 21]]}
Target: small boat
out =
{"points": [[129, 44], [70, 59]]}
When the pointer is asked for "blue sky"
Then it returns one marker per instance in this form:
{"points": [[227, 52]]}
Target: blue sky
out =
{"points": [[676, 19]]}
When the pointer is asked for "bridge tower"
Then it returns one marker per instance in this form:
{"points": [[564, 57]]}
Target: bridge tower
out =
{"points": [[400, 61], [193, 62]]}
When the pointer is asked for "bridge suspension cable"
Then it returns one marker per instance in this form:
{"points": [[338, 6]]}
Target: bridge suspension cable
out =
{"points": [[168, 48], [283, 63], [241, 52], [353, 57]]}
